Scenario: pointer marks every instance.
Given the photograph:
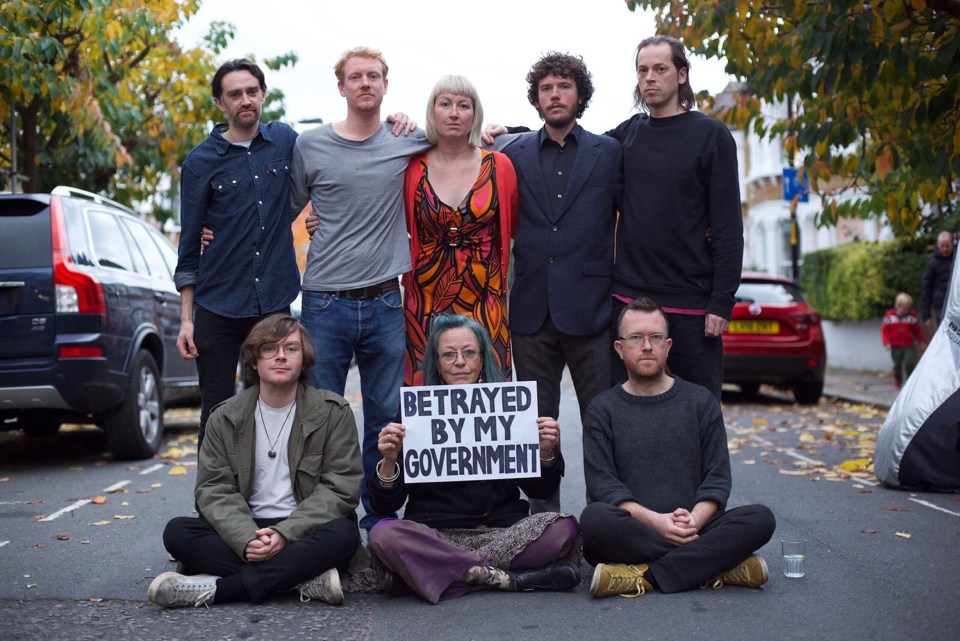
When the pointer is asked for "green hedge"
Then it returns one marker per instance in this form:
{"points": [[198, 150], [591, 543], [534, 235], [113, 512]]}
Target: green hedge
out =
{"points": [[859, 281]]}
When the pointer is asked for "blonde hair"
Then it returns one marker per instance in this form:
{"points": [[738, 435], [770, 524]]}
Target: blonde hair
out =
{"points": [[359, 52], [904, 298], [459, 86]]}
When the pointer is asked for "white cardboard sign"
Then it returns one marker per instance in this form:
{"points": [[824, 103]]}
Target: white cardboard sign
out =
{"points": [[470, 432]]}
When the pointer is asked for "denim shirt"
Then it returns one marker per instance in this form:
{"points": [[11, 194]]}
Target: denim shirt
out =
{"points": [[243, 195]]}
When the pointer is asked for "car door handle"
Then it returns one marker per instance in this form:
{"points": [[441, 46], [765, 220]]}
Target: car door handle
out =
{"points": [[11, 284]]}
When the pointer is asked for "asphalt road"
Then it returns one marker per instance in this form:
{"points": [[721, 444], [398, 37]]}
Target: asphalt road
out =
{"points": [[882, 564]]}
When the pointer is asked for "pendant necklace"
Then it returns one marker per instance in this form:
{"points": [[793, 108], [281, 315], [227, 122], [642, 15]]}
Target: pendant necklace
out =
{"points": [[272, 452]]}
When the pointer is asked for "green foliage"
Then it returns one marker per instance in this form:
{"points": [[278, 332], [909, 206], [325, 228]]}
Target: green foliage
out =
{"points": [[874, 86], [859, 281], [107, 99]]}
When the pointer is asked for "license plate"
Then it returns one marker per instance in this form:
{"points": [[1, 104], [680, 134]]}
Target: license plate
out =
{"points": [[753, 327]]}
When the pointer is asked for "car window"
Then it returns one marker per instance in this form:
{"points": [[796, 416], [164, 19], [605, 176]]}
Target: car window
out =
{"points": [[24, 234], [156, 264], [769, 293], [168, 250], [109, 243]]}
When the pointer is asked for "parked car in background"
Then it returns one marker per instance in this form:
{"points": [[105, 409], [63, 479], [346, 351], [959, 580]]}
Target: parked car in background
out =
{"points": [[775, 338], [89, 318]]}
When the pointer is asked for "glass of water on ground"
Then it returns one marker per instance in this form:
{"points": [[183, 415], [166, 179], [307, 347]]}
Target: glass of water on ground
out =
{"points": [[794, 558]]}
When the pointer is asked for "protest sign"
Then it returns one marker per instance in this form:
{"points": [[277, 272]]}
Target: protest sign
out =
{"points": [[470, 432]]}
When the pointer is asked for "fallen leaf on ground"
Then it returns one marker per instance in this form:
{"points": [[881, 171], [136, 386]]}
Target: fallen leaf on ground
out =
{"points": [[896, 508], [99, 523], [33, 502], [95, 600], [84, 542], [760, 421], [156, 485], [98, 500], [869, 531], [855, 465], [39, 546], [4, 479], [749, 461], [177, 470], [797, 472], [63, 537], [75, 469], [31, 585], [39, 517], [119, 490], [124, 517], [903, 535]]}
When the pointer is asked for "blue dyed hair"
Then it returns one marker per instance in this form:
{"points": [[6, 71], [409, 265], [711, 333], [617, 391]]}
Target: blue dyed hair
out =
{"points": [[490, 373]]}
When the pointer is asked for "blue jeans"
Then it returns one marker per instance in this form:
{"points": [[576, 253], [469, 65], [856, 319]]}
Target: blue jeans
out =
{"points": [[371, 330]]}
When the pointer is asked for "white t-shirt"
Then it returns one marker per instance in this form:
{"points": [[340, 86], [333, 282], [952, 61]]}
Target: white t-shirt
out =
{"points": [[272, 492]]}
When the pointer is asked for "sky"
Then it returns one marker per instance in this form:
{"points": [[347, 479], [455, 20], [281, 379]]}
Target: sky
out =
{"points": [[493, 43]]}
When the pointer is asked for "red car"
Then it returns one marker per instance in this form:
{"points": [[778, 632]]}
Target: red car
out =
{"points": [[774, 337]]}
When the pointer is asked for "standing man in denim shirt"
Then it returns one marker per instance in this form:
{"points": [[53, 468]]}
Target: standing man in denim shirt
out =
{"points": [[236, 182], [352, 171]]}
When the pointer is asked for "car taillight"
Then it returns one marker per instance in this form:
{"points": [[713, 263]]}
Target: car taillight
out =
{"points": [[804, 322], [76, 291], [68, 351]]}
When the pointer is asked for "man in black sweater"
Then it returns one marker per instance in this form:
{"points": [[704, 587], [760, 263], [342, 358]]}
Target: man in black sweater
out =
{"points": [[658, 478], [680, 234], [936, 277]]}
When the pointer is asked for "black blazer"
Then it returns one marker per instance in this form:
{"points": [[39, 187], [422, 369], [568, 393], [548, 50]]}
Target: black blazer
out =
{"points": [[563, 263]]}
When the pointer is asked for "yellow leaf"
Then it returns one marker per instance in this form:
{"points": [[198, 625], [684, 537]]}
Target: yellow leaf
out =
{"points": [[760, 421], [156, 485], [98, 500], [178, 470], [855, 465], [99, 523], [807, 437], [124, 517], [903, 535]]}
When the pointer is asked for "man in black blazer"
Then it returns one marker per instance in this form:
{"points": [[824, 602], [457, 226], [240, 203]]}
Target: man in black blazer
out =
{"points": [[563, 245]]}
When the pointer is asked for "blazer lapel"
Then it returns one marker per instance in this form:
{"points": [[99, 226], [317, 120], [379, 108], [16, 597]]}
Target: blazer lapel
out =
{"points": [[587, 155]]}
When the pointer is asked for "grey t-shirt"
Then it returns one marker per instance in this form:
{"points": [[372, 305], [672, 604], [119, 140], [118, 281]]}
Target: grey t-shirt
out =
{"points": [[356, 187]]}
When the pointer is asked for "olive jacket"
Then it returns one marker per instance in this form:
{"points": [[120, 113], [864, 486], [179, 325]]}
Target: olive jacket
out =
{"points": [[324, 459]]}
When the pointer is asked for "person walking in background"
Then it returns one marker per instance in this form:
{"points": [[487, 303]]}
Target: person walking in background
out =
{"points": [[901, 336], [236, 182], [278, 482], [680, 234], [460, 203], [936, 278]]}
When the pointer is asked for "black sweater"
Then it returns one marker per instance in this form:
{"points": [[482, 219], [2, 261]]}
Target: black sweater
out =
{"points": [[678, 178], [466, 504]]}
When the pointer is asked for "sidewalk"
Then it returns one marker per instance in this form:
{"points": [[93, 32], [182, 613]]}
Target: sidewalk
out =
{"points": [[861, 386]]}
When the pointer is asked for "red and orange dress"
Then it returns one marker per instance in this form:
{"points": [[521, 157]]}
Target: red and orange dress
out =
{"points": [[460, 257]]}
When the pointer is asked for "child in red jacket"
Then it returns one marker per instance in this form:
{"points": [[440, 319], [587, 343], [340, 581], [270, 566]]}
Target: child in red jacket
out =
{"points": [[901, 334]]}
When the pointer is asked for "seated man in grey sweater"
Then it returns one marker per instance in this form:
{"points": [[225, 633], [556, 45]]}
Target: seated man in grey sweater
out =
{"points": [[658, 479]]}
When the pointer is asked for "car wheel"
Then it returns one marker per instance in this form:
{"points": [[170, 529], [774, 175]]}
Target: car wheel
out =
{"points": [[749, 389], [808, 393], [135, 427]]}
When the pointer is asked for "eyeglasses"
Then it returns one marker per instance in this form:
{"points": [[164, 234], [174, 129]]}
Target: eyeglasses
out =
{"points": [[636, 340], [271, 350], [468, 354]]}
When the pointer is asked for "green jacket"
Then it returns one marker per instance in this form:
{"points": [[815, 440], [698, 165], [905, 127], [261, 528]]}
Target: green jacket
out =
{"points": [[325, 467]]}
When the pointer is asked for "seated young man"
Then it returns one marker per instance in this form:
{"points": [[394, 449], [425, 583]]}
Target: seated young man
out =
{"points": [[278, 483], [658, 472]]}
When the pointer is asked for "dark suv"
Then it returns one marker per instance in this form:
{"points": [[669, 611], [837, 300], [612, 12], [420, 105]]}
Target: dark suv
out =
{"points": [[89, 317]]}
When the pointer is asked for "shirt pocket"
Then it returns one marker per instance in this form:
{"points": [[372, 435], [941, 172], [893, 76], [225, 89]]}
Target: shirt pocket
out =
{"points": [[278, 177], [308, 472], [227, 196]]}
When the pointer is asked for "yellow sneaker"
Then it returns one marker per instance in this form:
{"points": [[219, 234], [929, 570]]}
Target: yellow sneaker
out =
{"points": [[751, 573], [619, 578]]}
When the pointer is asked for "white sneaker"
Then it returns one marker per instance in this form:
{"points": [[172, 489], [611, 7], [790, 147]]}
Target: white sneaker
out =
{"points": [[173, 590], [325, 587]]}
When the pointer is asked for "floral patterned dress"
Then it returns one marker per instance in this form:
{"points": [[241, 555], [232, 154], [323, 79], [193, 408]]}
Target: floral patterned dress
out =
{"points": [[457, 268]]}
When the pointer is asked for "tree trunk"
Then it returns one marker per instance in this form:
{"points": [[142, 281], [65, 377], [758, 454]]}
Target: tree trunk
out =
{"points": [[28, 146]]}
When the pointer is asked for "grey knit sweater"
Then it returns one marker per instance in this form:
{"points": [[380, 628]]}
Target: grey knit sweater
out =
{"points": [[663, 452]]}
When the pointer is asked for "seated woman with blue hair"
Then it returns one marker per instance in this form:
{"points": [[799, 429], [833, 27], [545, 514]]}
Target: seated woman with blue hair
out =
{"points": [[461, 536]]}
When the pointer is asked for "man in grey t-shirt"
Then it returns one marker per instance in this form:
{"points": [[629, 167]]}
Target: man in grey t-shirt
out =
{"points": [[352, 173]]}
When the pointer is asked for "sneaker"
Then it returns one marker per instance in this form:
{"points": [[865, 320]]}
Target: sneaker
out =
{"points": [[559, 575], [173, 590], [325, 587], [619, 578], [751, 573]]}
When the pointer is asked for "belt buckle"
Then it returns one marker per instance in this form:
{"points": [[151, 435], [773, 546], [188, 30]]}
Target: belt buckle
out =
{"points": [[454, 237]]}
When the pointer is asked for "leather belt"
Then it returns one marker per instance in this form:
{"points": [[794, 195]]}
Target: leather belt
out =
{"points": [[368, 292]]}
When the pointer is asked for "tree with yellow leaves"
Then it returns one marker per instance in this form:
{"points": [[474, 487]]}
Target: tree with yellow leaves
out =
{"points": [[106, 99], [874, 89]]}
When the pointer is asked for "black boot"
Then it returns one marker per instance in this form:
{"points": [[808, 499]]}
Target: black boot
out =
{"points": [[559, 575], [394, 585]]}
